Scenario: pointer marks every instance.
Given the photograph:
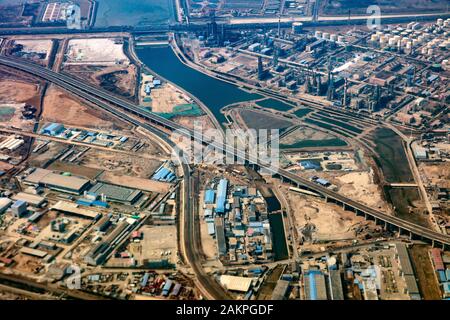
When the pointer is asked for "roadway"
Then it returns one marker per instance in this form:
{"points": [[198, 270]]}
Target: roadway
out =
{"points": [[99, 96]]}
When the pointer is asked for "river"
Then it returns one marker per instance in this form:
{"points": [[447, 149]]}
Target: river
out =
{"points": [[215, 94]]}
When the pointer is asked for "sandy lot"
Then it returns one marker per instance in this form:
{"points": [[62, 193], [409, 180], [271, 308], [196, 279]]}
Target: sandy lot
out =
{"points": [[120, 164], [37, 46], [165, 98], [328, 218], [16, 91], [188, 122], [95, 51], [138, 183], [60, 107], [13, 96], [360, 186], [436, 174], [159, 242]]}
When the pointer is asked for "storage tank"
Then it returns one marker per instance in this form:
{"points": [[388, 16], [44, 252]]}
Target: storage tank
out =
{"points": [[318, 34], [326, 35], [333, 37], [424, 50], [440, 22], [373, 37], [341, 39]]}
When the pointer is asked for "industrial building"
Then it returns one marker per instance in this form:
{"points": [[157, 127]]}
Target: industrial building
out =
{"points": [[103, 223], [115, 193], [406, 271], [164, 175], [234, 283], [220, 236], [53, 129], [221, 196], [33, 252], [19, 208], [63, 183], [74, 209], [31, 199], [335, 282], [210, 196], [100, 252], [4, 204], [315, 287]]}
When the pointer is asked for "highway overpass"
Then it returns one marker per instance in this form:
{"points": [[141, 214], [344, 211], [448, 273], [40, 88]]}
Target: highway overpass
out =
{"points": [[96, 95]]}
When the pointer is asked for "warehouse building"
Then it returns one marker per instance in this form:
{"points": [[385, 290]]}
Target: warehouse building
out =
{"points": [[315, 288], [221, 196], [62, 183], [74, 209], [5, 203], [335, 282], [19, 208], [33, 252], [53, 129], [220, 236], [100, 252], [210, 196], [406, 271], [115, 193], [234, 283], [31, 199]]}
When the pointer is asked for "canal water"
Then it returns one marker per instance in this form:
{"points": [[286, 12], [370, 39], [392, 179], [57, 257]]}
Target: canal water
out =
{"points": [[279, 246], [134, 12], [215, 94]]}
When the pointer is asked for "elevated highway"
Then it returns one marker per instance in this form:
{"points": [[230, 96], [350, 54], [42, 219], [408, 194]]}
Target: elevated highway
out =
{"points": [[99, 96]]}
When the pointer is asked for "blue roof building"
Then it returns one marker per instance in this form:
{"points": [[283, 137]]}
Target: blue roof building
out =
{"points": [[221, 196], [210, 196], [53, 129]]}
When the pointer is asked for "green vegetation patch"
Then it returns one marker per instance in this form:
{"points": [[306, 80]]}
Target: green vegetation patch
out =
{"points": [[302, 112], [336, 142], [274, 104], [182, 110]]}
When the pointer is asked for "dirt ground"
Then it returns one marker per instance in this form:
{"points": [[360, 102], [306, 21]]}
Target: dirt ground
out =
{"points": [[120, 164], [361, 187], [17, 91], [165, 98], [134, 182], [61, 107], [436, 174], [159, 242], [99, 51], [428, 286], [188, 122], [76, 170], [327, 217]]}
